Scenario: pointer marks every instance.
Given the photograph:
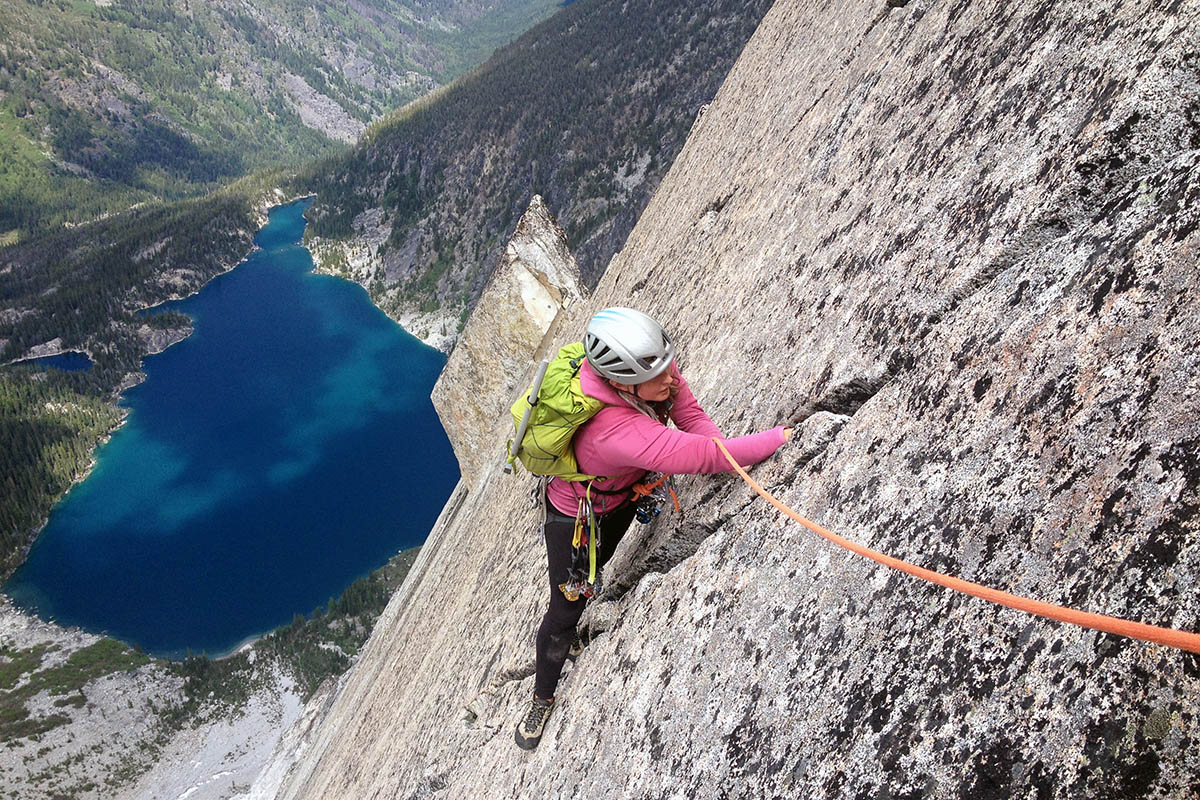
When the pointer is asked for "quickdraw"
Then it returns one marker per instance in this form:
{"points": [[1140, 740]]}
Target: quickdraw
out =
{"points": [[581, 577], [650, 496]]}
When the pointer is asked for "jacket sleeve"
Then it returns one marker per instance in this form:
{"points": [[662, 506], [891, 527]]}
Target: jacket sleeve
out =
{"points": [[687, 413], [638, 441]]}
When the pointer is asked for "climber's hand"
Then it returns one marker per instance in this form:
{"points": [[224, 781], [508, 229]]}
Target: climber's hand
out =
{"points": [[787, 434]]}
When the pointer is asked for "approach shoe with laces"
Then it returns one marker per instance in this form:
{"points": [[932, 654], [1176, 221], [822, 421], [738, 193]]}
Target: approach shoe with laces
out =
{"points": [[529, 732]]}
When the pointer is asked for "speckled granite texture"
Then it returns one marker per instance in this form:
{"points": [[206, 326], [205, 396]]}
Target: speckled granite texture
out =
{"points": [[957, 243]]}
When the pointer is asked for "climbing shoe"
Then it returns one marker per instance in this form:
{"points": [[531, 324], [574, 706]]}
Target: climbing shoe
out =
{"points": [[529, 732], [576, 648]]}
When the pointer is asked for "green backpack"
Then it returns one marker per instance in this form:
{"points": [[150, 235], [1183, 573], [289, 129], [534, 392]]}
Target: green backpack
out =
{"points": [[555, 413]]}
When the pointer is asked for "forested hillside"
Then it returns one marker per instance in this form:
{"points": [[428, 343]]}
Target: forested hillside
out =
{"points": [[84, 286], [588, 109], [106, 104]]}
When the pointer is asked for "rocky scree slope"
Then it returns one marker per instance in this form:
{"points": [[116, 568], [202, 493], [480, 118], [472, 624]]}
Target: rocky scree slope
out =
{"points": [[956, 244], [588, 110]]}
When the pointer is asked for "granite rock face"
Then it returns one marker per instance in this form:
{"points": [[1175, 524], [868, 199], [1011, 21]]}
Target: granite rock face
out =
{"points": [[957, 244], [536, 279]]}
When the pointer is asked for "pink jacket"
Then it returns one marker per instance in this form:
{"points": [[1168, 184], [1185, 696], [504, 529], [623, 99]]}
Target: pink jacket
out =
{"points": [[623, 444]]}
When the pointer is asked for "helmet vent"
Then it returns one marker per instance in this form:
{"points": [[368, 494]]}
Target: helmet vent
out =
{"points": [[627, 346]]}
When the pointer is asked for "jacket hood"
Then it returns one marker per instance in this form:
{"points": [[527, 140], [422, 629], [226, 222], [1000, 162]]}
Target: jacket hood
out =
{"points": [[595, 386]]}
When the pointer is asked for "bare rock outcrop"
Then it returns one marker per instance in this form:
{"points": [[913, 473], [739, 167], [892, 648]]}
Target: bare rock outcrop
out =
{"points": [[957, 243], [156, 340], [319, 111], [537, 279]]}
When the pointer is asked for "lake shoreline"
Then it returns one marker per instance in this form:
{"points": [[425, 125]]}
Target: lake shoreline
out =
{"points": [[167, 338], [54, 351], [261, 210], [127, 725], [252, 740]]}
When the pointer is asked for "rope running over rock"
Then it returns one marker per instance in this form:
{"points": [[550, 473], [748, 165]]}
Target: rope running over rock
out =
{"points": [[1122, 627]]}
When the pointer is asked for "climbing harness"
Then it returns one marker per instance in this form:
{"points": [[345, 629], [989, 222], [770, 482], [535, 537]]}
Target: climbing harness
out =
{"points": [[1171, 637], [583, 579]]}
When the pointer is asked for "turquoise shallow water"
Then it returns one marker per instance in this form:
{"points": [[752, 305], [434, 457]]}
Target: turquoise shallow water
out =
{"points": [[284, 449]]}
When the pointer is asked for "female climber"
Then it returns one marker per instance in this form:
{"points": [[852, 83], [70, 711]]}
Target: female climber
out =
{"points": [[630, 366]]}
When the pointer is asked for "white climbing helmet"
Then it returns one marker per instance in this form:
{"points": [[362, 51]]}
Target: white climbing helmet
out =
{"points": [[627, 346]]}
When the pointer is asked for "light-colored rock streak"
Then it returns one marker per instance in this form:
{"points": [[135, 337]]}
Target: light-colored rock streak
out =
{"points": [[536, 280], [321, 112]]}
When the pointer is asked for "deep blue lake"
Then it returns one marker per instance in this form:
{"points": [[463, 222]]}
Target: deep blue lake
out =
{"points": [[284, 449]]}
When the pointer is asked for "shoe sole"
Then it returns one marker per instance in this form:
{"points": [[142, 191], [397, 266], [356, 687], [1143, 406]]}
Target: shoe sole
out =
{"points": [[527, 743]]}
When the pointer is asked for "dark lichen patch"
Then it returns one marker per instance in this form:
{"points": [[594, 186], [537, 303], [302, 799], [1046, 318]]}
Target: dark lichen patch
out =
{"points": [[747, 746], [1157, 724], [1164, 543], [717, 205], [881, 710], [993, 770], [658, 744], [981, 386], [1183, 456], [1109, 518], [1056, 397], [1034, 649], [1123, 763], [1018, 294]]}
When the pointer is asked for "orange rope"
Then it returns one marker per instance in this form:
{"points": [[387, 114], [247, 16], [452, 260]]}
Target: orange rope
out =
{"points": [[646, 489], [1122, 627]]}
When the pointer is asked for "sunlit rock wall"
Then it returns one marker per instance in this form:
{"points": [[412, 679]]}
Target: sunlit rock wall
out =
{"points": [[536, 279], [957, 244]]}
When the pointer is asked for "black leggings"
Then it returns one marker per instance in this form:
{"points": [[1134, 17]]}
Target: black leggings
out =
{"points": [[557, 630]]}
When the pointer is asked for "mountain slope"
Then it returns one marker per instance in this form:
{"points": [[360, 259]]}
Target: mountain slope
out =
{"points": [[107, 104], [587, 110]]}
